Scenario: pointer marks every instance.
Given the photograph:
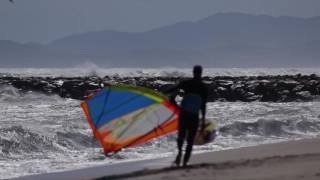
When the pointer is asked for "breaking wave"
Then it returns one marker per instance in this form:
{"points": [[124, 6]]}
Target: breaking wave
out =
{"points": [[52, 133], [8, 92], [267, 128], [19, 140], [88, 68]]}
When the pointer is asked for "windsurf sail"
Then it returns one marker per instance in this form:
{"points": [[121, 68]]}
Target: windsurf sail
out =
{"points": [[124, 116]]}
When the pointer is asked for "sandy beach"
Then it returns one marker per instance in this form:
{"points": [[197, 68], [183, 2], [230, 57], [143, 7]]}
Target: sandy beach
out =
{"points": [[286, 160]]}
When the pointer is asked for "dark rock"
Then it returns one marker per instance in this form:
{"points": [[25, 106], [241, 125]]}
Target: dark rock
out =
{"points": [[221, 88]]}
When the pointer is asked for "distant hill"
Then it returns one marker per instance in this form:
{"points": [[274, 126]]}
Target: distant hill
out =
{"points": [[220, 40]]}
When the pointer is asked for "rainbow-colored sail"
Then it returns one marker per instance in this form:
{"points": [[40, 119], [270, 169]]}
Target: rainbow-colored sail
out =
{"points": [[124, 116]]}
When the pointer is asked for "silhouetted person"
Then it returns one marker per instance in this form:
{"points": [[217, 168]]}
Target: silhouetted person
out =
{"points": [[193, 102]]}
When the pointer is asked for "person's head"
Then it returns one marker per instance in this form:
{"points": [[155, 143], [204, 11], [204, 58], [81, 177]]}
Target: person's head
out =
{"points": [[197, 72]]}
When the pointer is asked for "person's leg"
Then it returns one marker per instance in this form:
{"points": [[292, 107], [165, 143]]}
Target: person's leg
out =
{"points": [[192, 127], [181, 136]]}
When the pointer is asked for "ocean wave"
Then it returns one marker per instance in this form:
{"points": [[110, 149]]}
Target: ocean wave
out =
{"points": [[19, 140], [75, 140], [8, 92], [151, 72], [266, 128], [52, 132]]}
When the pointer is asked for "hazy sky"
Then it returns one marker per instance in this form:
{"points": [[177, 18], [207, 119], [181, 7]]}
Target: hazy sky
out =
{"points": [[46, 20]]}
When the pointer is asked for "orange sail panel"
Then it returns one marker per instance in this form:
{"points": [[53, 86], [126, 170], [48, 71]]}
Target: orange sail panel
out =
{"points": [[123, 116]]}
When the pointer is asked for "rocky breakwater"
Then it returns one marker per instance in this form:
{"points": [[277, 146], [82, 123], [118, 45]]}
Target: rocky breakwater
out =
{"points": [[221, 88]]}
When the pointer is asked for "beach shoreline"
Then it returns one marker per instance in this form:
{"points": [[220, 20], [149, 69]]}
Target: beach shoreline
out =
{"points": [[298, 159]]}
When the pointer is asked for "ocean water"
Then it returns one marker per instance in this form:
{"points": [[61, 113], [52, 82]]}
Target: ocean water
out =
{"points": [[168, 71], [40, 133]]}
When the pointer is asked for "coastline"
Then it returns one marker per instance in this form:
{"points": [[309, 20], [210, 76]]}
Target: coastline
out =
{"points": [[298, 159]]}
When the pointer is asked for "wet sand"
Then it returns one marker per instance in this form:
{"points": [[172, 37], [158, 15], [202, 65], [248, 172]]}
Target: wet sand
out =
{"points": [[294, 160], [286, 160]]}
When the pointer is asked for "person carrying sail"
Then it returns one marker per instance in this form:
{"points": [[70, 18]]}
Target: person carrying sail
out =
{"points": [[193, 102]]}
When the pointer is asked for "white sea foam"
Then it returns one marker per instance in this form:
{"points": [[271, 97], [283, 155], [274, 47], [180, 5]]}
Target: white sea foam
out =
{"points": [[130, 72], [41, 133]]}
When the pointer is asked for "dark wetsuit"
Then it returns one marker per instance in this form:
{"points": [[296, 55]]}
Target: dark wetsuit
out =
{"points": [[189, 121]]}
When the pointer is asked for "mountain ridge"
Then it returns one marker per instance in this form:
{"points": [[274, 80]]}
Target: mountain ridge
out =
{"points": [[220, 40]]}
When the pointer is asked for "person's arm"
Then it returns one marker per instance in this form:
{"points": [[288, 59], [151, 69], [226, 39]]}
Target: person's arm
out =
{"points": [[203, 115], [204, 108], [173, 89]]}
